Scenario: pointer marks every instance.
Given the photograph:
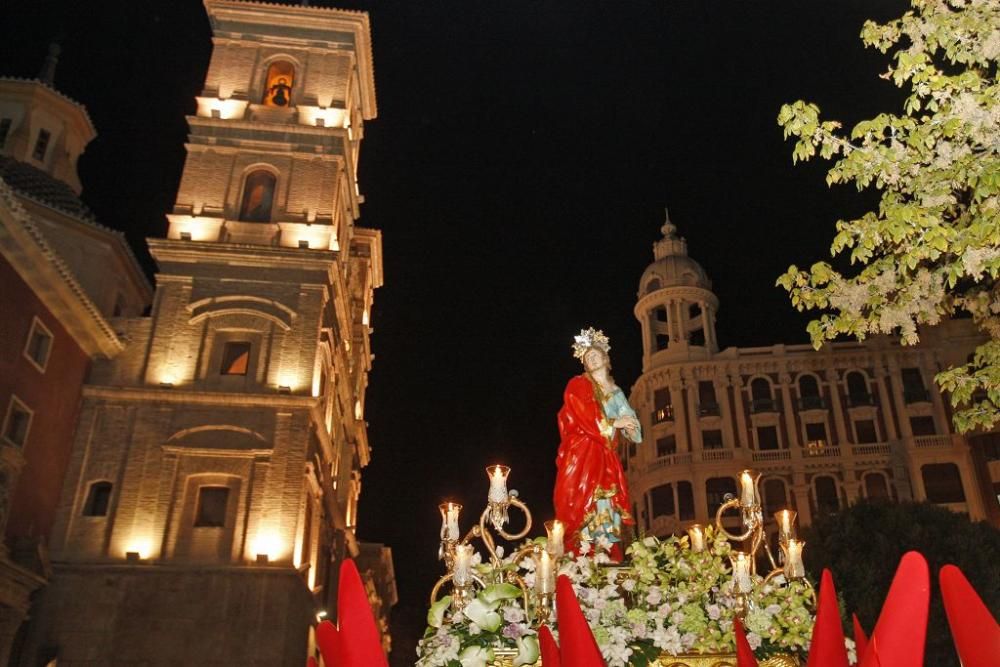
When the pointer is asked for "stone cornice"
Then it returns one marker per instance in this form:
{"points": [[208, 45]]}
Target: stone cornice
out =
{"points": [[245, 254], [25, 247], [180, 394]]}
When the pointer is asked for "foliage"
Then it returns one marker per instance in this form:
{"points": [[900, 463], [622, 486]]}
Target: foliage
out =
{"points": [[669, 600], [862, 546], [931, 250]]}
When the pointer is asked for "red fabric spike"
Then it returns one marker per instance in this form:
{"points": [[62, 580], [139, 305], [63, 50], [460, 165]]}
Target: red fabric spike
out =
{"points": [[311, 662], [362, 645], [549, 648], [578, 646], [328, 639], [827, 648], [901, 631], [975, 631], [860, 638], [744, 654]]}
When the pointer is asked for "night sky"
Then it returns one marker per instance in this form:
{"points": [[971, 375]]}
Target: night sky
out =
{"points": [[518, 169]]}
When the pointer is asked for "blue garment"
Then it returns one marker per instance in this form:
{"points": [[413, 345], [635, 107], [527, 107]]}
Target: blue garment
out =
{"points": [[616, 405]]}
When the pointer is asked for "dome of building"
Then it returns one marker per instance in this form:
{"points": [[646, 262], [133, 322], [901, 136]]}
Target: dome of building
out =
{"points": [[672, 267], [33, 182]]}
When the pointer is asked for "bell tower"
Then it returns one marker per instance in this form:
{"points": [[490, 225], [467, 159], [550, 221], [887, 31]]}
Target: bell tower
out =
{"points": [[676, 306]]}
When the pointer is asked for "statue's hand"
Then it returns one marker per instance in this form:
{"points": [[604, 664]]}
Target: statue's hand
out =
{"points": [[627, 422]]}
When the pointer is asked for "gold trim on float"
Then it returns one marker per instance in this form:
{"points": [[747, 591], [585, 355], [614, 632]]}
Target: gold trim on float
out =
{"points": [[505, 658]]}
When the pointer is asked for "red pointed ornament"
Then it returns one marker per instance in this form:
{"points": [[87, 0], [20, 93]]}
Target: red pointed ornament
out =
{"points": [[328, 639], [860, 637], [901, 631], [362, 645], [744, 654], [577, 644], [549, 648], [827, 648], [975, 631]]}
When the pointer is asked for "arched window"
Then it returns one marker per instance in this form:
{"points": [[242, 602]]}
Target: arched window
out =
{"points": [[258, 196], [857, 389], [652, 285], [827, 497], [98, 499], [809, 397], [662, 500], [762, 400], [278, 84], [774, 496], [716, 489], [876, 488]]}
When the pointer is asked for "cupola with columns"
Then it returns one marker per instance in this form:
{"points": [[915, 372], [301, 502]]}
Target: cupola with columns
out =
{"points": [[676, 306]]}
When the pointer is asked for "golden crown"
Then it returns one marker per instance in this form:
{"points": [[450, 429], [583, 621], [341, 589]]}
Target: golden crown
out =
{"points": [[589, 338]]}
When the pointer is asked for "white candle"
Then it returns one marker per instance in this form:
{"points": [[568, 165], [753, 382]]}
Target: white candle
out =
{"points": [[545, 580], [463, 565], [453, 511], [748, 495], [697, 536], [556, 538], [794, 568], [498, 483], [741, 572], [786, 525]]}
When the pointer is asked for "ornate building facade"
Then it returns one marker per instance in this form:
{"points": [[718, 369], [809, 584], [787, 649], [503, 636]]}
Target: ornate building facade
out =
{"points": [[825, 428], [215, 472], [67, 283]]}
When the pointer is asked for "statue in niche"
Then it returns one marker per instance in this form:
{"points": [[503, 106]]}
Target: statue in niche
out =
{"points": [[591, 496], [280, 93]]}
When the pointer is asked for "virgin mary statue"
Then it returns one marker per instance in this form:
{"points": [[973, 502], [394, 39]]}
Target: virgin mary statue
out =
{"points": [[591, 496]]}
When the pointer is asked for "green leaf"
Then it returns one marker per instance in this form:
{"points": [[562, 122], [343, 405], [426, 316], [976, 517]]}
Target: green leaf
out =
{"points": [[435, 616]]}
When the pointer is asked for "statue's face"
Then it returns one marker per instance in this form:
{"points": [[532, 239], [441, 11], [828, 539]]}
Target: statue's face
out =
{"points": [[594, 359]]}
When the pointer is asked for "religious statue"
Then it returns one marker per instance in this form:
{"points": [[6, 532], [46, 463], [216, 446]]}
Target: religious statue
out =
{"points": [[591, 497], [280, 93]]}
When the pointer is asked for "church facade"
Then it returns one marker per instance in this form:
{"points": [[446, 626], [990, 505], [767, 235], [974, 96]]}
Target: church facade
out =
{"points": [[825, 428], [212, 484]]}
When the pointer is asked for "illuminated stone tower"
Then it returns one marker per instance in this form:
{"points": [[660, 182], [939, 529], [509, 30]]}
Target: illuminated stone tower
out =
{"points": [[216, 469]]}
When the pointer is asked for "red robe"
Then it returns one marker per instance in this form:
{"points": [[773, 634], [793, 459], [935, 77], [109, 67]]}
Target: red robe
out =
{"points": [[586, 460]]}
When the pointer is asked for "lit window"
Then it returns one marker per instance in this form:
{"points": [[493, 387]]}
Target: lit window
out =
{"points": [[17, 422], [235, 358], [278, 86], [41, 145], [39, 345], [212, 503], [258, 196], [4, 131], [816, 435], [98, 499]]}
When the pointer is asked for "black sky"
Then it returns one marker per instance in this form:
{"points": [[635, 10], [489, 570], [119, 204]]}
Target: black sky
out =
{"points": [[518, 169]]}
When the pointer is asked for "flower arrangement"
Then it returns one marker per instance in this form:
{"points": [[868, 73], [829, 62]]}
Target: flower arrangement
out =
{"points": [[669, 600]]}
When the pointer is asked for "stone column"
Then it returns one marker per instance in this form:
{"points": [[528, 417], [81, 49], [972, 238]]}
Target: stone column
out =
{"points": [[886, 405], [725, 407], [940, 414], [680, 415], [800, 489], [741, 417], [789, 413], [700, 500], [837, 407], [694, 434]]}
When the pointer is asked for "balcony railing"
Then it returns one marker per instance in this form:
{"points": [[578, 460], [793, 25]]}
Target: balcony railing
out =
{"points": [[683, 458], [664, 414], [716, 455], [872, 449], [818, 448], [812, 403], [773, 455], [932, 441], [860, 400], [708, 410], [916, 395], [758, 405]]}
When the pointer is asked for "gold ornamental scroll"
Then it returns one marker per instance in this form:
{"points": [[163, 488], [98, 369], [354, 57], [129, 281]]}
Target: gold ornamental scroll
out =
{"points": [[505, 658]]}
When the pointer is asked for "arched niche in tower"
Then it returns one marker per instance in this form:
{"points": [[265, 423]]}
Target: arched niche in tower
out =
{"points": [[279, 83], [258, 196]]}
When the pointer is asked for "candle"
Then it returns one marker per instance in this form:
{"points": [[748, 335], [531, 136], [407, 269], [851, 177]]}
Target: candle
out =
{"points": [[748, 492], [786, 525], [449, 520], [463, 565], [794, 569], [498, 483], [545, 579], [697, 536], [741, 572], [556, 537]]}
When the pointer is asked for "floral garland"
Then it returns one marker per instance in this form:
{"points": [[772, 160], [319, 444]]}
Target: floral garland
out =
{"points": [[668, 600]]}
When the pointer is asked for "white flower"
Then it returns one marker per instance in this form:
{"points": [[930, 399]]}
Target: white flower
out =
{"points": [[629, 585], [754, 640]]}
